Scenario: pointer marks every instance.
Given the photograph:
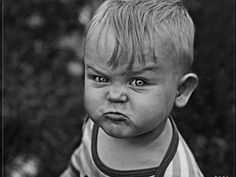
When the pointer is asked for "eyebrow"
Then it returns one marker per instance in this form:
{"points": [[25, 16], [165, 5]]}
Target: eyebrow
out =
{"points": [[146, 68], [95, 70], [134, 72]]}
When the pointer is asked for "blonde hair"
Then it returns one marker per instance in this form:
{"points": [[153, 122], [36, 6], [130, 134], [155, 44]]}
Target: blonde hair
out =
{"points": [[135, 22]]}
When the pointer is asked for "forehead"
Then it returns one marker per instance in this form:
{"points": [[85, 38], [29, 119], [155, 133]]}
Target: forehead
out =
{"points": [[101, 44]]}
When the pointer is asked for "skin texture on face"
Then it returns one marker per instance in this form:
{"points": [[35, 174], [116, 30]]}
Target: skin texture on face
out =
{"points": [[127, 102]]}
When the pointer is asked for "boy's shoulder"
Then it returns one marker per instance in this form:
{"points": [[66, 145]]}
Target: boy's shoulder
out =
{"points": [[183, 163]]}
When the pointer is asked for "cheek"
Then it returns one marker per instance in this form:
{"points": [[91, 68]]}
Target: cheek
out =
{"points": [[170, 99], [93, 100], [90, 99], [156, 105], [148, 108]]}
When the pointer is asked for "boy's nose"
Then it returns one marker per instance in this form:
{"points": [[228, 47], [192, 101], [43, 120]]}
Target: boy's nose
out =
{"points": [[117, 94]]}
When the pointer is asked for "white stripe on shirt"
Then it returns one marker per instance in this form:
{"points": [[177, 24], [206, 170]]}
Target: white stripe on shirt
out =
{"points": [[183, 159], [169, 170]]}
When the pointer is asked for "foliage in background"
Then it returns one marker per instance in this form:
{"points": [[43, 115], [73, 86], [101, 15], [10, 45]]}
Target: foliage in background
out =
{"points": [[43, 101]]}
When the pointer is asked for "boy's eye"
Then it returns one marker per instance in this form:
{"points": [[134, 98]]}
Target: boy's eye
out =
{"points": [[138, 83], [100, 79]]}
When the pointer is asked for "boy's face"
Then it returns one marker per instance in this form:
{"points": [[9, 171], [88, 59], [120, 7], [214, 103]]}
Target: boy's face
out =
{"points": [[127, 103]]}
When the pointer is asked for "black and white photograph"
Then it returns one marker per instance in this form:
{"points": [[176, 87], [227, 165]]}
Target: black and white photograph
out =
{"points": [[118, 88]]}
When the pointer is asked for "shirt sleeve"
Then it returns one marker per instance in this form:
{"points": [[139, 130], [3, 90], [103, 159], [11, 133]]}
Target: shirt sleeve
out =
{"points": [[70, 172]]}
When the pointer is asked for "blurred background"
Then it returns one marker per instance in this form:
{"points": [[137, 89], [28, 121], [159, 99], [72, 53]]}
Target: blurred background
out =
{"points": [[43, 90]]}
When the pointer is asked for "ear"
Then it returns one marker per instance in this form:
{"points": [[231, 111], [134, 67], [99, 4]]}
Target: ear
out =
{"points": [[186, 86]]}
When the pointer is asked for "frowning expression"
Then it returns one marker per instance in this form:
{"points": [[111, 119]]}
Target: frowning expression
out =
{"points": [[126, 101]]}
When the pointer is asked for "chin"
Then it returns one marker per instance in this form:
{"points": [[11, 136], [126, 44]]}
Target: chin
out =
{"points": [[114, 133], [119, 134]]}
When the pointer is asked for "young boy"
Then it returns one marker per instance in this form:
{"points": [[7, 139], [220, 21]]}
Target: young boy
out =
{"points": [[138, 56]]}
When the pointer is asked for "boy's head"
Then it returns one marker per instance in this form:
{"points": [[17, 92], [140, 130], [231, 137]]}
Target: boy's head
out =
{"points": [[144, 25], [138, 54]]}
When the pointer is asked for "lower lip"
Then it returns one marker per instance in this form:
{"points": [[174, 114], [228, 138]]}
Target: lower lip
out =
{"points": [[115, 117]]}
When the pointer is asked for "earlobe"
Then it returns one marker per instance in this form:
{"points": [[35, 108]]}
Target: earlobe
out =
{"points": [[186, 86]]}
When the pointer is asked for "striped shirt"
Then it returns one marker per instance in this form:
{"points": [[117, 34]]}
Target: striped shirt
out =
{"points": [[85, 162]]}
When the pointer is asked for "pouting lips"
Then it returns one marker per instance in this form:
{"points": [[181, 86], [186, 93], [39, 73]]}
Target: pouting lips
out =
{"points": [[115, 116]]}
